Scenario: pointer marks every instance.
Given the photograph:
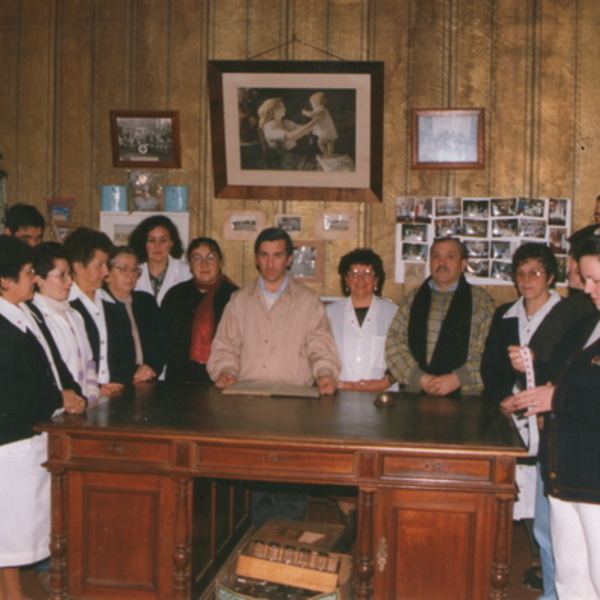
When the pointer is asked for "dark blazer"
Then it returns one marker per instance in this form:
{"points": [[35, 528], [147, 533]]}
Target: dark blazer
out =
{"points": [[570, 441], [121, 347], [90, 329], [179, 309], [28, 391], [496, 370]]}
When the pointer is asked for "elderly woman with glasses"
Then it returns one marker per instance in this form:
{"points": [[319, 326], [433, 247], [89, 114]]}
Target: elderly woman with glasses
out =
{"points": [[192, 310], [135, 329], [360, 323], [534, 272]]}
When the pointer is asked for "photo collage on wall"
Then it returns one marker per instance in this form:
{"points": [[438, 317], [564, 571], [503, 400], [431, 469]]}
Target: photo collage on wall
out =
{"points": [[491, 228]]}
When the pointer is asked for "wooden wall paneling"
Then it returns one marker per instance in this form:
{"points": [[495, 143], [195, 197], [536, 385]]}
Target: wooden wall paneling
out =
{"points": [[509, 124], [111, 55], [558, 32], [391, 45], [426, 85], [9, 106], [150, 54], [33, 174], [73, 162], [188, 95], [471, 60], [587, 142]]}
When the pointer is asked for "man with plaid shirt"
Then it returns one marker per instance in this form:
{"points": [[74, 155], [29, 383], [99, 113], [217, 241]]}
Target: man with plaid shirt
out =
{"points": [[436, 339]]}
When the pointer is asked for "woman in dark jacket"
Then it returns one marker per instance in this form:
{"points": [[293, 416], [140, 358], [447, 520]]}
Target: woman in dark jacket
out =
{"points": [[570, 444], [192, 310], [136, 337], [29, 393]]}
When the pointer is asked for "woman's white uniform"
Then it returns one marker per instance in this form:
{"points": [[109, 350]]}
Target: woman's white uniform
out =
{"points": [[177, 271], [361, 348], [24, 483]]}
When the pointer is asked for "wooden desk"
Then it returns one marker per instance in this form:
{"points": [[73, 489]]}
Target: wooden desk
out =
{"points": [[435, 480]]}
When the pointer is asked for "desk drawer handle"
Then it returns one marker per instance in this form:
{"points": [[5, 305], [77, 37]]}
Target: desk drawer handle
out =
{"points": [[382, 554], [120, 449]]}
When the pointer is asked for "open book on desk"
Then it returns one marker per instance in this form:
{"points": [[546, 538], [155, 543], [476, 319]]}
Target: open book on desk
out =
{"points": [[263, 388]]}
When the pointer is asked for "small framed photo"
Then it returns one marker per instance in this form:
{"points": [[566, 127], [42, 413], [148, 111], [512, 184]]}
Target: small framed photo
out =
{"points": [[477, 248], [60, 209], [476, 207], [501, 250], [557, 237], [532, 207], [290, 223], [475, 228], [535, 228], [422, 209], [478, 267], [144, 190], [501, 270], [448, 139], [505, 227], [404, 208], [309, 261], [335, 225], [145, 138], [243, 225]]}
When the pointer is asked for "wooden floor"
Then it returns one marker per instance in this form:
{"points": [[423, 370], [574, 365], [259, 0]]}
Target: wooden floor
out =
{"points": [[521, 560]]}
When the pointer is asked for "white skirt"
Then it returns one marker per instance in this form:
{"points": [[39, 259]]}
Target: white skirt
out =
{"points": [[24, 502]]}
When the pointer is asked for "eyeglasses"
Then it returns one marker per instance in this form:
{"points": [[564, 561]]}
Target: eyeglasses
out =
{"points": [[28, 270], [60, 276], [136, 271], [366, 274], [209, 258], [525, 275]]}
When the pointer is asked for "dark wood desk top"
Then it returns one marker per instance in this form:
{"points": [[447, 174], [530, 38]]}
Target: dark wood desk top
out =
{"points": [[347, 418]]}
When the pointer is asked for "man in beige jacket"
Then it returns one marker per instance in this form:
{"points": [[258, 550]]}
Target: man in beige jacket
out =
{"points": [[275, 329]]}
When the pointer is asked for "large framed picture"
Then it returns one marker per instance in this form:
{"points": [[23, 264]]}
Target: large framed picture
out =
{"points": [[145, 138], [448, 139], [284, 130]]}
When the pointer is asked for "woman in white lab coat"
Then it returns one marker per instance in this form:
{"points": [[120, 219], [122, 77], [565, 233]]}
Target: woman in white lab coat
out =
{"points": [[158, 247], [360, 323]]}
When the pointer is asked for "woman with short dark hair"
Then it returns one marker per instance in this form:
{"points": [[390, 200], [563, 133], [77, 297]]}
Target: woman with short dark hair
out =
{"points": [[360, 323], [30, 392]]}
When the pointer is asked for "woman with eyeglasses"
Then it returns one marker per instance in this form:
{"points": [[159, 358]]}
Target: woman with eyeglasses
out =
{"points": [[192, 311], [30, 392], [66, 326], [360, 323], [534, 272], [136, 335]]}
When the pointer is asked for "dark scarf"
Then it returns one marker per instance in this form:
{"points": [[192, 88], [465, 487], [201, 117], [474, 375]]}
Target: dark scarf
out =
{"points": [[203, 328], [452, 347]]}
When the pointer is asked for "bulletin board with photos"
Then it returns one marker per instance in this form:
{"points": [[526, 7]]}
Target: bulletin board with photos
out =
{"points": [[491, 228]]}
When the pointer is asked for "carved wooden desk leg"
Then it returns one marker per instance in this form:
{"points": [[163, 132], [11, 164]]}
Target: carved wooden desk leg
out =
{"points": [[363, 566], [499, 573], [58, 537], [182, 546]]}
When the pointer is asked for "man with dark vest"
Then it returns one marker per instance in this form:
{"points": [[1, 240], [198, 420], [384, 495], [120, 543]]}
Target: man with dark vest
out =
{"points": [[436, 339]]}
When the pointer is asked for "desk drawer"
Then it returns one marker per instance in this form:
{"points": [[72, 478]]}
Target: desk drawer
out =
{"points": [[148, 452], [436, 468], [336, 463]]}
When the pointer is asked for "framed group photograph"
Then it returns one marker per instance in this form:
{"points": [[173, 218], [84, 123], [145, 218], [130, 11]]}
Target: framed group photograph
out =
{"points": [[145, 138], [243, 225], [301, 130], [448, 139]]}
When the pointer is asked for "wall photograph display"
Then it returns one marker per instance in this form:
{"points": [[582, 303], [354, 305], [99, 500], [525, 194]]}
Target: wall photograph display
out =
{"points": [[491, 229]]}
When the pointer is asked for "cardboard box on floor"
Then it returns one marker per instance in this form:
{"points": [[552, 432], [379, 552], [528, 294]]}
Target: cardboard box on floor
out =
{"points": [[320, 537]]}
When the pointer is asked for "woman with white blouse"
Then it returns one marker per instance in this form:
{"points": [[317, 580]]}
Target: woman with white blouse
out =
{"points": [[158, 247]]}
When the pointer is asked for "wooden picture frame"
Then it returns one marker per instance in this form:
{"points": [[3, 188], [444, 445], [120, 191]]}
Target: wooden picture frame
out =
{"points": [[255, 156], [145, 138], [308, 265], [448, 139]]}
